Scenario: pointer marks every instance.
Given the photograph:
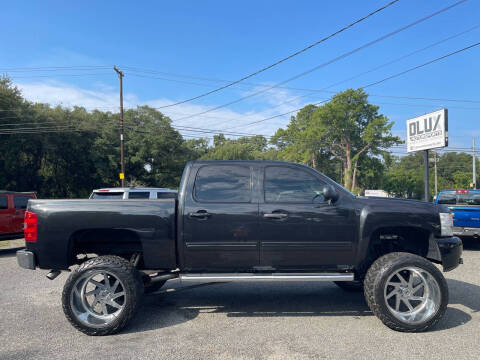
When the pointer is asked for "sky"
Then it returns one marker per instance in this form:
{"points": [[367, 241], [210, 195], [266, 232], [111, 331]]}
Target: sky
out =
{"points": [[172, 51]]}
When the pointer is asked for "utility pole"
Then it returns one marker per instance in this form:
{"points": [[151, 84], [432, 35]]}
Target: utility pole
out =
{"points": [[436, 186], [122, 158], [474, 178], [425, 169]]}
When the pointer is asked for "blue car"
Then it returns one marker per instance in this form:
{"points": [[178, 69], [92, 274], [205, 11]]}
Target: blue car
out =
{"points": [[465, 207]]}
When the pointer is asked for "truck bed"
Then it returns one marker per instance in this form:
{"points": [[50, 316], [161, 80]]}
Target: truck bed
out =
{"points": [[151, 222]]}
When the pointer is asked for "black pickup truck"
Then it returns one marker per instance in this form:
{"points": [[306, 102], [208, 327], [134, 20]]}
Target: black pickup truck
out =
{"points": [[244, 221]]}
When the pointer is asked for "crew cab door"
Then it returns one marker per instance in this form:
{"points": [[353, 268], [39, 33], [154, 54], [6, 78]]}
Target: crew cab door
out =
{"points": [[5, 215], [298, 228], [220, 219]]}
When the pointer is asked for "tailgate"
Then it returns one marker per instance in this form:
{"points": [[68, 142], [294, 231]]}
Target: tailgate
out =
{"points": [[466, 216]]}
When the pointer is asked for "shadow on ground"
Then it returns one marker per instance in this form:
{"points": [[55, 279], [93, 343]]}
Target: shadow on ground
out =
{"points": [[280, 300]]}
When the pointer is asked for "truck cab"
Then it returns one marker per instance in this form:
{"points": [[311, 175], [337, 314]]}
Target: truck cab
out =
{"points": [[465, 207]]}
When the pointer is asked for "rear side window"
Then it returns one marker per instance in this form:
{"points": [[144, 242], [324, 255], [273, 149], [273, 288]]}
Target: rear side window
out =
{"points": [[107, 195], [166, 195], [3, 202], [225, 183], [20, 201], [447, 198], [289, 185], [139, 195], [453, 198]]}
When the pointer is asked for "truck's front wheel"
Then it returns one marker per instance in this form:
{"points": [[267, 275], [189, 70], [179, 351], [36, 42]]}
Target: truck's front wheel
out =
{"points": [[101, 295], [406, 292]]}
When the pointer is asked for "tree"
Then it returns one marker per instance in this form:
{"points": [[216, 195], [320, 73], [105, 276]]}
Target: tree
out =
{"points": [[346, 129], [353, 128]]}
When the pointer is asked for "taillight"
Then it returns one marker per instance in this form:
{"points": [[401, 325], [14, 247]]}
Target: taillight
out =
{"points": [[30, 226]]}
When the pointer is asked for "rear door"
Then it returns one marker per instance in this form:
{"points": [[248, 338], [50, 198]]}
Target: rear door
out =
{"points": [[220, 219], [20, 205], [5, 215]]}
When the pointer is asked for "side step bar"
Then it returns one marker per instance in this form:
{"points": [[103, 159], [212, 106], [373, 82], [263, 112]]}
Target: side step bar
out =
{"points": [[268, 277]]}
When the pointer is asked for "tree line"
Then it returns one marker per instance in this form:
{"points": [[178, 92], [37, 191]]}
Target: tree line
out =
{"points": [[66, 152]]}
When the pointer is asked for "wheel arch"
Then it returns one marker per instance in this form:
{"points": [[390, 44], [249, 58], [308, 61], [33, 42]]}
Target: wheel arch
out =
{"points": [[100, 241], [388, 239]]}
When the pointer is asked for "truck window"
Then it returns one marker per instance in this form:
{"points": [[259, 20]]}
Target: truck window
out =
{"points": [[139, 195], [468, 199], [288, 185], [107, 195], [20, 201], [224, 183], [3, 202], [166, 195], [448, 198]]}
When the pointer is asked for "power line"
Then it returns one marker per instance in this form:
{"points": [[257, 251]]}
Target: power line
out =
{"points": [[351, 52], [54, 68], [289, 56], [311, 91], [379, 81], [422, 65]]}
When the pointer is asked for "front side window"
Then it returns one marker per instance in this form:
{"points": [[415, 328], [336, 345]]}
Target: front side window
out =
{"points": [[20, 201], [289, 185], [139, 195], [224, 183]]}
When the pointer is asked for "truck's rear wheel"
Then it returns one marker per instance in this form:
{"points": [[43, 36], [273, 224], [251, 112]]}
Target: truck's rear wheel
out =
{"points": [[406, 292], [101, 295]]}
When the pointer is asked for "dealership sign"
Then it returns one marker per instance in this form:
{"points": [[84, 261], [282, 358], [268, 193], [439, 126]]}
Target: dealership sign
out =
{"points": [[428, 131]]}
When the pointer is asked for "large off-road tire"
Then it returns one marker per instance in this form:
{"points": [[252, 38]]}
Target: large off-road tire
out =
{"points": [[350, 286], [101, 296], [406, 292]]}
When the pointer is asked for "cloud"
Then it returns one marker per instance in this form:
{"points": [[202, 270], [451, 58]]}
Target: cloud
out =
{"points": [[102, 97]]}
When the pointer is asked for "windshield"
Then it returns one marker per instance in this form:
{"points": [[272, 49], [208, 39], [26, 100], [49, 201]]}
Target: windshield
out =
{"points": [[107, 195], [452, 198]]}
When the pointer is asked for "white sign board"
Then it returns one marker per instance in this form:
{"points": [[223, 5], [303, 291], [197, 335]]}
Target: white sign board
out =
{"points": [[428, 131], [377, 193]]}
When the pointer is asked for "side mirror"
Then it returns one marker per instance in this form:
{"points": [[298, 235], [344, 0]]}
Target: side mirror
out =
{"points": [[329, 193]]}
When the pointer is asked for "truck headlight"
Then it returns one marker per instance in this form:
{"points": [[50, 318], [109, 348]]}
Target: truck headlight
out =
{"points": [[446, 224]]}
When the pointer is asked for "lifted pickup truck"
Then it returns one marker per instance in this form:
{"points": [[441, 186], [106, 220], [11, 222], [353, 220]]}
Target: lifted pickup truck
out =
{"points": [[245, 221]]}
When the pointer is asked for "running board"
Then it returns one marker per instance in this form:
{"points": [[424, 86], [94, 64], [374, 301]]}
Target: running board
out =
{"points": [[268, 277]]}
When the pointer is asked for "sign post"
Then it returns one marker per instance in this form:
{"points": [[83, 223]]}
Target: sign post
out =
{"points": [[427, 132]]}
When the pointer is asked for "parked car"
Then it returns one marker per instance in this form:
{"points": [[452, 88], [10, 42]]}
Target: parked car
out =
{"points": [[465, 207], [12, 211], [133, 193], [245, 221]]}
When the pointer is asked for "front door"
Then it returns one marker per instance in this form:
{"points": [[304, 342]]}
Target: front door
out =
{"points": [[299, 229], [220, 219], [5, 216]]}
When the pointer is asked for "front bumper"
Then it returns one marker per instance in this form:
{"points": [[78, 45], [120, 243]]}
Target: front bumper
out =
{"points": [[450, 249], [26, 259], [466, 231]]}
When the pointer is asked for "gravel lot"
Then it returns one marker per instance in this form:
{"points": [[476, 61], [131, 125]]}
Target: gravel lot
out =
{"points": [[235, 320]]}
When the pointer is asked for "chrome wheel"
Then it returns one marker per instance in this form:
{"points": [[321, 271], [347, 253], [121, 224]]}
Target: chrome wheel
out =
{"points": [[412, 295], [97, 298]]}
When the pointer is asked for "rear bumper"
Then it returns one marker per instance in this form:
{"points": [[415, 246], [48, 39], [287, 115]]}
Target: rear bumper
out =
{"points": [[466, 231], [451, 249], [26, 259]]}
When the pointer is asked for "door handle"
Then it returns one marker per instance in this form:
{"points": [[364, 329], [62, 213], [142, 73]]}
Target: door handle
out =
{"points": [[200, 214], [275, 216]]}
